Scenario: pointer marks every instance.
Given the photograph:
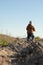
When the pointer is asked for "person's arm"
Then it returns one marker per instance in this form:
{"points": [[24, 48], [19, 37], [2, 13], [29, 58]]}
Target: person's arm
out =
{"points": [[27, 28], [33, 29]]}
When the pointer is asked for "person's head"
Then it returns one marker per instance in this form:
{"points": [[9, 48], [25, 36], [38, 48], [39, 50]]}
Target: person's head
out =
{"points": [[30, 22]]}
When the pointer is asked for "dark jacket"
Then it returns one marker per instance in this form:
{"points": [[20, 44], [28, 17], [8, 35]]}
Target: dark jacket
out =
{"points": [[30, 28]]}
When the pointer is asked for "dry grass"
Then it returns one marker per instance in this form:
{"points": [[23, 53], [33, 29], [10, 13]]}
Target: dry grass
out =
{"points": [[6, 38]]}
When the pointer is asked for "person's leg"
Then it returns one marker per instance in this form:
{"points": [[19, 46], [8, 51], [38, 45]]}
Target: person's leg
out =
{"points": [[28, 36], [32, 36]]}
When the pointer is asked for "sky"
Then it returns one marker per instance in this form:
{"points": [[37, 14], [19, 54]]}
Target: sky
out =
{"points": [[16, 14]]}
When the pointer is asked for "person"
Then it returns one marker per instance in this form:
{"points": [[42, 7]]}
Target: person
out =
{"points": [[30, 29]]}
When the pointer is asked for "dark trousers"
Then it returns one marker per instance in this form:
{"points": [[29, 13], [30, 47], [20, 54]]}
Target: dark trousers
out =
{"points": [[30, 35]]}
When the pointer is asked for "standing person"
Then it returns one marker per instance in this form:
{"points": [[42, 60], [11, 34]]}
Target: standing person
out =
{"points": [[30, 29]]}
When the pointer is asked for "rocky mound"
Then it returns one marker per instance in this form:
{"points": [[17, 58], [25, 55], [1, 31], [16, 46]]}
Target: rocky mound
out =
{"points": [[21, 53]]}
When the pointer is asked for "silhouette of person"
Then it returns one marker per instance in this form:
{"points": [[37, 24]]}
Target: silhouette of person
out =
{"points": [[30, 29]]}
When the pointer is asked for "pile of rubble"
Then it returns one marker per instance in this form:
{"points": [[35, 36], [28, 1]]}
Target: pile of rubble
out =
{"points": [[32, 54], [22, 53]]}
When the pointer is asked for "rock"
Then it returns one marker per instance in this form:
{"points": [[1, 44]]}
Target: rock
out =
{"points": [[21, 53]]}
